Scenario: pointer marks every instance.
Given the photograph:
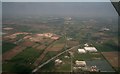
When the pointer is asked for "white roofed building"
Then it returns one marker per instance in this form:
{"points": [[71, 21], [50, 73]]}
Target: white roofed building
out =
{"points": [[58, 62], [80, 63], [86, 45], [90, 49], [81, 51]]}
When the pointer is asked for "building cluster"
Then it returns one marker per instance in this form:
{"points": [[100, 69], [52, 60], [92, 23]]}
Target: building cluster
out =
{"points": [[69, 38], [68, 18], [81, 51], [79, 65], [94, 69], [105, 29], [58, 62], [90, 49], [39, 37], [82, 66], [87, 48], [49, 35]]}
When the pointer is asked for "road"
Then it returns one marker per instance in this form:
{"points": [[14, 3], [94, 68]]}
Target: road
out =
{"points": [[53, 58]]}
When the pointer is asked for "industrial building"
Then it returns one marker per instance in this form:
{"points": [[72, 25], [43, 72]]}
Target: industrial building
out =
{"points": [[90, 49], [81, 51], [80, 63]]}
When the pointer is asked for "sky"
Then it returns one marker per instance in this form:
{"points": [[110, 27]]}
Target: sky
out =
{"points": [[90, 9], [58, 0]]}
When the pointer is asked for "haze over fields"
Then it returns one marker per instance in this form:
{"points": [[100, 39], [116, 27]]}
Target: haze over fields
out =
{"points": [[59, 37], [81, 9]]}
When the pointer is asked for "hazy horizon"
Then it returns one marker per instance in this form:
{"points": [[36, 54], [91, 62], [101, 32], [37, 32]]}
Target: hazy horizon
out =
{"points": [[82, 9]]}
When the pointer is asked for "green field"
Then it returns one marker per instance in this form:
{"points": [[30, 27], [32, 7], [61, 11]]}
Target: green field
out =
{"points": [[51, 67], [6, 46], [48, 67], [51, 54], [15, 68], [66, 65], [48, 56], [87, 56], [21, 62], [107, 46], [80, 29], [29, 55]]}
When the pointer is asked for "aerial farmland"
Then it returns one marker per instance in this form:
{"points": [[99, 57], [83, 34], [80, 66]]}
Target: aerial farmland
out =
{"points": [[59, 42]]}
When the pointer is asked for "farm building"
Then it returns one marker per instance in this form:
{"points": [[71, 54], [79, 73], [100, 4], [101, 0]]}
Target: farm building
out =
{"points": [[105, 29], [81, 51], [86, 45], [69, 38], [58, 62], [90, 49], [80, 63], [66, 57]]}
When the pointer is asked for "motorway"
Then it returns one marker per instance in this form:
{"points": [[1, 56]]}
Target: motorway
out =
{"points": [[53, 58]]}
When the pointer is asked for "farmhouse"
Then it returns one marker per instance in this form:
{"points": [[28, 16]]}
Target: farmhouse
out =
{"points": [[81, 51], [66, 57], [69, 38], [58, 62], [90, 49], [80, 63], [94, 69], [86, 45]]}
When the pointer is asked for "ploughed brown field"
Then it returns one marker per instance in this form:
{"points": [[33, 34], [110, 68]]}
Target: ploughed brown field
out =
{"points": [[13, 52], [40, 47], [72, 43], [28, 43], [112, 57]]}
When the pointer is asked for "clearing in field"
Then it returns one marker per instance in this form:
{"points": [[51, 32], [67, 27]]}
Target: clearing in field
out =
{"points": [[28, 43]]}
